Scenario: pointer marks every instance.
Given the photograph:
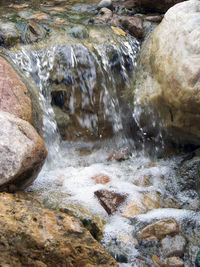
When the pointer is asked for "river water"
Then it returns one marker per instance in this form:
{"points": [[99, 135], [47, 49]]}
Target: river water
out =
{"points": [[98, 74]]}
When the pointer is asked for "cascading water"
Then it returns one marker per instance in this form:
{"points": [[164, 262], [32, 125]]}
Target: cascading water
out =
{"points": [[82, 87], [38, 64]]}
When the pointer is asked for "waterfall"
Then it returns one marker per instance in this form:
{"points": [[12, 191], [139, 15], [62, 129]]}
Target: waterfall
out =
{"points": [[85, 90], [91, 82]]}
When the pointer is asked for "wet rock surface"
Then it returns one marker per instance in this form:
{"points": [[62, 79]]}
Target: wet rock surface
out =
{"points": [[160, 229], [175, 262], [131, 209], [173, 246], [15, 98], [18, 95], [134, 25], [104, 16], [33, 235], [9, 34], [165, 65], [34, 32], [110, 200], [22, 158]]}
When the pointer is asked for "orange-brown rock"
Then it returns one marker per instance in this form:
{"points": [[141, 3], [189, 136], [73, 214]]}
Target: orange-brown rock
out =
{"points": [[132, 209], [160, 229], [174, 262], [157, 262], [110, 200], [17, 96], [60, 21], [101, 179], [34, 236], [22, 152]]}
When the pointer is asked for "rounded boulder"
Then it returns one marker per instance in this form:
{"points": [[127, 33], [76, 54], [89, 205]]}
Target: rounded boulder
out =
{"points": [[22, 153], [167, 94]]}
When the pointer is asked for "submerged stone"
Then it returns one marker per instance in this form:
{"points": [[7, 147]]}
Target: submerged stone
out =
{"points": [[109, 200], [173, 246], [131, 209], [101, 179], [9, 33], [160, 229], [34, 32], [120, 155], [78, 31], [197, 261]]}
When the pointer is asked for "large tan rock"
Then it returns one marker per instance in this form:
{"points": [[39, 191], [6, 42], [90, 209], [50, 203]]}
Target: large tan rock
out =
{"points": [[160, 229], [18, 96], [168, 84], [22, 152], [34, 236]]}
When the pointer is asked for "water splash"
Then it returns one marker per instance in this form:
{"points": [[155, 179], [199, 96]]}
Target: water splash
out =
{"points": [[37, 65]]}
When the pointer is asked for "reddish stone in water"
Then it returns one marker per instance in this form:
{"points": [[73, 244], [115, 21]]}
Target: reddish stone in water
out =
{"points": [[134, 25], [110, 200], [101, 179]]}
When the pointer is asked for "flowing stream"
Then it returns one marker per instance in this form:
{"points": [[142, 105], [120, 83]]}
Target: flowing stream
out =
{"points": [[95, 78]]}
